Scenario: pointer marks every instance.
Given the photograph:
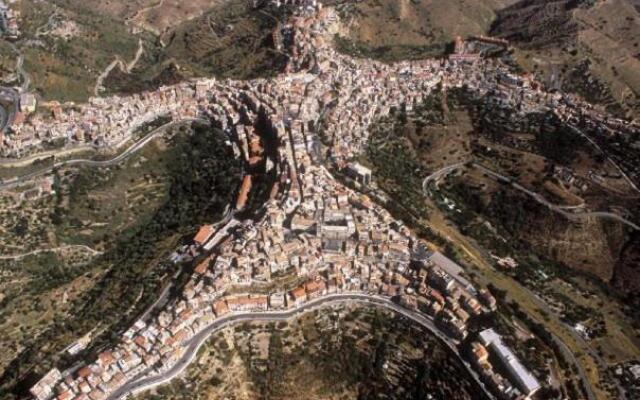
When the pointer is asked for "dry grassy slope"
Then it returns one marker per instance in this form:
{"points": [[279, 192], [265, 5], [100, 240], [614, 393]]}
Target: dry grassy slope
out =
{"points": [[118, 9], [331, 354], [230, 40], [556, 36], [154, 15], [611, 32], [423, 22], [592, 246], [589, 246], [167, 14]]}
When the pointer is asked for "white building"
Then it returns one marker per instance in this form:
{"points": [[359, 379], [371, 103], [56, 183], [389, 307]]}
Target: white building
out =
{"points": [[43, 390], [522, 377], [360, 173]]}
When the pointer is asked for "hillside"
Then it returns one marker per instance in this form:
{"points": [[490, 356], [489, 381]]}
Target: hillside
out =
{"points": [[229, 39], [76, 49], [583, 46], [538, 152], [136, 214], [400, 29], [343, 352], [582, 265], [588, 47]]}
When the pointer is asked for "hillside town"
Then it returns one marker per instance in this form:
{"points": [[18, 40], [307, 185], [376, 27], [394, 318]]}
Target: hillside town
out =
{"points": [[353, 91], [330, 238]]}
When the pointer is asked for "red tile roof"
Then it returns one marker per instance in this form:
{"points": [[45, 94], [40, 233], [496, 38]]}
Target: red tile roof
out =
{"points": [[84, 372], [244, 192], [203, 266], [203, 234]]}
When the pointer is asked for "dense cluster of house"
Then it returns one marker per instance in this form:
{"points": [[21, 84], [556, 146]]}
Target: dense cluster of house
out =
{"points": [[329, 238]]}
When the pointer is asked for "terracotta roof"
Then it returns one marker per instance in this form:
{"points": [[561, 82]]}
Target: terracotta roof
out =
{"points": [[140, 341], [203, 266], [244, 192], [106, 358], [84, 372], [298, 293], [315, 286], [220, 307], [65, 395], [203, 234]]}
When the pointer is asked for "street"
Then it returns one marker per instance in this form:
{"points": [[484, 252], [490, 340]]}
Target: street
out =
{"points": [[193, 345], [106, 163]]}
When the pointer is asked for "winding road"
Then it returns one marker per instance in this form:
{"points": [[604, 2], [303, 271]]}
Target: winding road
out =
{"points": [[126, 68], [562, 346], [142, 383], [105, 163], [563, 210], [553, 207], [440, 173]]}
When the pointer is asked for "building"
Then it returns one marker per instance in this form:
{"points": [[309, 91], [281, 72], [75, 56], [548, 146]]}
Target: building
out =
{"points": [[220, 308], [480, 353], [441, 280], [488, 299], [298, 295], [43, 390], [204, 234], [451, 268], [360, 173], [248, 303], [203, 266], [315, 289], [460, 51], [523, 379], [27, 103], [300, 223], [243, 195], [337, 225], [277, 301]]}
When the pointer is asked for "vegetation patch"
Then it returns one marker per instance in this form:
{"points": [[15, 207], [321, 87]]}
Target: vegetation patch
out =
{"points": [[201, 174], [337, 353]]}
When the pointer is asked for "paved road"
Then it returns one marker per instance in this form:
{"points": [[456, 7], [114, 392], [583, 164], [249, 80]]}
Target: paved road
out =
{"points": [[138, 385], [566, 351], [118, 62], [561, 210], [106, 163], [536, 196], [162, 298], [12, 162], [439, 173]]}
